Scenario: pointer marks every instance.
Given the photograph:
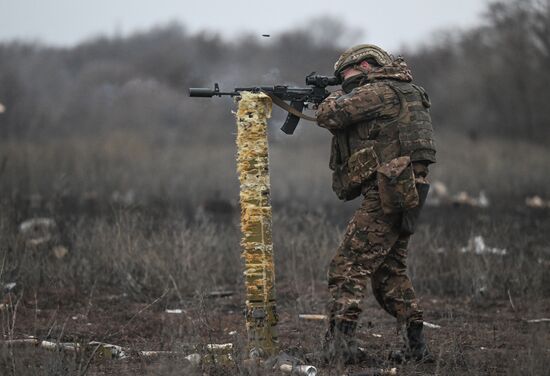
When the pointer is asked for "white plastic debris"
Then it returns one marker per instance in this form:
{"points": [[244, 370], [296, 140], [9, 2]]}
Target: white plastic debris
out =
{"points": [[431, 326], [315, 317], [483, 200], [36, 224], [219, 346], [37, 230], [194, 359], [109, 351], [535, 321], [537, 202], [9, 286], [2, 108], [440, 195], [477, 245], [377, 335], [176, 311], [298, 370]]}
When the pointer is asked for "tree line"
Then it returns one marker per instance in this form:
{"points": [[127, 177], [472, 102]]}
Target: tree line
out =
{"points": [[493, 79]]}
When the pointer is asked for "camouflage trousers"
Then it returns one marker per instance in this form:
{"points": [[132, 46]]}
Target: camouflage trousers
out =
{"points": [[373, 249]]}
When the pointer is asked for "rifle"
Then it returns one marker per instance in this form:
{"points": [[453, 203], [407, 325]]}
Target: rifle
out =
{"points": [[298, 97]]}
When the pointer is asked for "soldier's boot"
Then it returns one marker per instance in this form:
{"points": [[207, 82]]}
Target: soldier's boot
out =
{"points": [[340, 345], [415, 348]]}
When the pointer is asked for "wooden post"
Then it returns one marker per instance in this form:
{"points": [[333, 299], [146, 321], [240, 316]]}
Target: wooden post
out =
{"points": [[257, 245]]}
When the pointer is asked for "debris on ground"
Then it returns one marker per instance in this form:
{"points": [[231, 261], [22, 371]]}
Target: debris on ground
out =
{"points": [[283, 362], [536, 321], [375, 372], [60, 251], [463, 198], [431, 326], [440, 195], [220, 294], [477, 246], [8, 287], [37, 231], [174, 311], [103, 350], [314, 317], [537, 202]]}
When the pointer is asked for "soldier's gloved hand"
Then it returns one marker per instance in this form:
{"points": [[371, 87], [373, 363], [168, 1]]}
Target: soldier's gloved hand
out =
{"points": [[326, 111]]}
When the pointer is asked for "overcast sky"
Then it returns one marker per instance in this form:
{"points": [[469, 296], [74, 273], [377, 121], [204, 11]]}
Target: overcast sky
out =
{"points": [[389, 24]]}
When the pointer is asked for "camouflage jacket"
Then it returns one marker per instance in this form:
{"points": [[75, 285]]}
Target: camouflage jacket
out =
{"points": [[387, 114]]}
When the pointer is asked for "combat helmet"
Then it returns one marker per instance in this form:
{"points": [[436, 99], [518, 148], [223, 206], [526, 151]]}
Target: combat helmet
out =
{"points": [[354, 55]]}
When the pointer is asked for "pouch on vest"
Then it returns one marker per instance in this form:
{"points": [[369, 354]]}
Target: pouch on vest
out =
{"points": [[396, 185], [362, 164]]}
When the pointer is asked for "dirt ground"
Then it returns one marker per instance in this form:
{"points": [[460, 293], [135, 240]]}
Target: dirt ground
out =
{"points": [[489, 338]]}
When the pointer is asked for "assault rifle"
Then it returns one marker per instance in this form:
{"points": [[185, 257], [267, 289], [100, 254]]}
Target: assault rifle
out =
{"points": [[298, 97]]}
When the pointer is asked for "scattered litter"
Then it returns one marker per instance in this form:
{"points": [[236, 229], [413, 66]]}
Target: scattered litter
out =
{"points": [[36, 224], [177, 311], [537, 202], [463, 198], [534, 321], [9, 286], [233, 333], [194, 359], [377, 335], [298, 370], [315, 317], [116, 352], [60, 251], [37, 230], [477, 245], [2, 108], [219, 294], [219, 346], [483, 348], [109, 351], [375, 372], [431, 326], [440, 195]]}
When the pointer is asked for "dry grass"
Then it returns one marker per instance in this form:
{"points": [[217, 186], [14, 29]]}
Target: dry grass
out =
{"points": [[176, 236]]}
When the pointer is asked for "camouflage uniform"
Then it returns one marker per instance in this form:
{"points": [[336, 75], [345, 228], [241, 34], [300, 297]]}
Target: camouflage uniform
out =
{"points": [[381, 148]]}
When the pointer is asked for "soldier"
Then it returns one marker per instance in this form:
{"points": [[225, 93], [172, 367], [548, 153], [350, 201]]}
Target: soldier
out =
{"points": [[381, 147]]}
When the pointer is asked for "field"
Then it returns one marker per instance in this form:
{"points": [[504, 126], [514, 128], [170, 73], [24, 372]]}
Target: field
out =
{"points": [[144, 224]]}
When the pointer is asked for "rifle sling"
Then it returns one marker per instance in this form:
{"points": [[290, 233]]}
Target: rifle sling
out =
{"points": [[285, 106]]}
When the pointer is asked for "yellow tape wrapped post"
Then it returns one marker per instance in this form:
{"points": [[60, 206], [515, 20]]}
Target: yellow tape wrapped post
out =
{"points": [[252, 167]]}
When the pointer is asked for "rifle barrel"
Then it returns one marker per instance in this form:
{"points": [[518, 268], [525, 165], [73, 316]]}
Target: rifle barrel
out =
{"points": [[204, 92]]}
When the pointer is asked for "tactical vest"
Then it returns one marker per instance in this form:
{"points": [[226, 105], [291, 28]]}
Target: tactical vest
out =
{"points": [[409, 133]]}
